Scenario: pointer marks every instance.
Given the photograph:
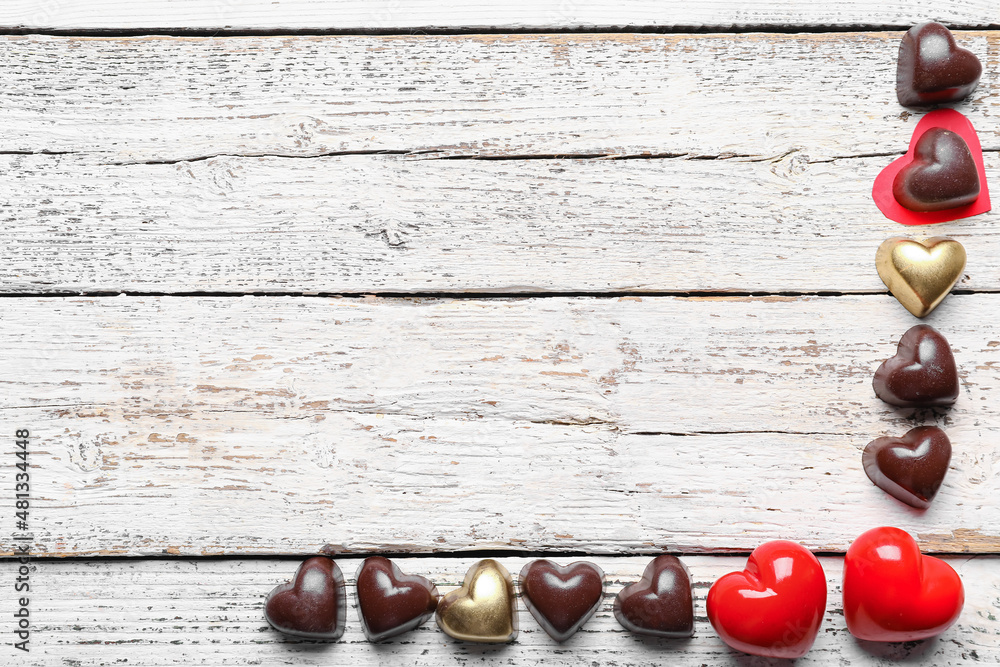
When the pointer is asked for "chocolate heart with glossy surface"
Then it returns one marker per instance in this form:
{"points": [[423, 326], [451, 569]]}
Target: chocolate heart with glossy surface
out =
{"points": [[922, 374], [483, 609], [942, 174], [920, 273], [893, 593], [910, 468], [931, 68], [561, 598], [390, 602], [312, 604], [883, 188], [774, 607], [660, 603]]}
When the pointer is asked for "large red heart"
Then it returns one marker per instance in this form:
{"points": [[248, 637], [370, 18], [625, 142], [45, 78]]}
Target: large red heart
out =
{"points": [[312, 604], [390, 602], [893, 593], [882, 191], [561, 598], [774, 607]]}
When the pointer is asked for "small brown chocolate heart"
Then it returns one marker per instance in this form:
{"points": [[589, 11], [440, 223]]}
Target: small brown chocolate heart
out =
{"points": [[931, 68], [922, 374], [910, 468], [561, 598], [942, 175], [312, 604], [390, 602], [660, 603]]}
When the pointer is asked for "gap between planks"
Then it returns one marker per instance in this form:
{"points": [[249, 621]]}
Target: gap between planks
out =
{"points": [[509, 15]]}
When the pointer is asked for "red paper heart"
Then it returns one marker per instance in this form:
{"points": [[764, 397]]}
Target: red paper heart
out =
{"points": [[390, 602], [774, 607], [947, 119], [312, 604], [561, 598], [893, 593]]}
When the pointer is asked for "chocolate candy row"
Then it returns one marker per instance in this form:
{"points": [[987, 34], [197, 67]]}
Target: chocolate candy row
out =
{"points": [[773, 608], [921, 374]]}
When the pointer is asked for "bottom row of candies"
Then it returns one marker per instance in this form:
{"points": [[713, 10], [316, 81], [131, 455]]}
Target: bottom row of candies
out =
{"points": [[773, 608]]}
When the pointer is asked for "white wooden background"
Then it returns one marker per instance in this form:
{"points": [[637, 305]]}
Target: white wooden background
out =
{"points": [[275, 283]]}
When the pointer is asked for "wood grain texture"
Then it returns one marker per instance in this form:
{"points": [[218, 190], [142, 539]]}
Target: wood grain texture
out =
{"points": [[167, 612], [290, 425], [513, 14], [763, 96], [357, 224]]}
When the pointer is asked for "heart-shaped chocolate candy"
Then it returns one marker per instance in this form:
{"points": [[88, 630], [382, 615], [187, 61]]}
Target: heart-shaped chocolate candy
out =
{"points": [[931, 68], [922, 374], [312, 604], [483, 609], [910, 468], [920, 274], [660, 603], [942, 174], [390, 602], [561, 598]]}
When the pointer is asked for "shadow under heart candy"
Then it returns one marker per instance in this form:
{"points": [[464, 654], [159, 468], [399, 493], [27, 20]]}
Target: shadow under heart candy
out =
{"points": [[942, 174]]}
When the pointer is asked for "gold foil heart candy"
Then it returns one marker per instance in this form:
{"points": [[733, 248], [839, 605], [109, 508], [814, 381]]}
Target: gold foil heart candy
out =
{"points": [[483, 609], [920, 273]]}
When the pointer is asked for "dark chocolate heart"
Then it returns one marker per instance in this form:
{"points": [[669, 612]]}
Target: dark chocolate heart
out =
{"points": [[312, 604], [931, 68], [922, 374], [660, 603], [942, 175], [561, 598], [910, 468], [390, 602]]}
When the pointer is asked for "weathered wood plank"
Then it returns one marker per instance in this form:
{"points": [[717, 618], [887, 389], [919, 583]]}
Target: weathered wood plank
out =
{"points": [[359, 224], [170, 612], [763, 96], [289, 425], [516, 14]]}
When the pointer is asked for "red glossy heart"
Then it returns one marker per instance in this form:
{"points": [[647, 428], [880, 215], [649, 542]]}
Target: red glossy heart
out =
{"points": [[893, 593], [882, 190], [312, 604], [775, 606], [390, 602]]}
